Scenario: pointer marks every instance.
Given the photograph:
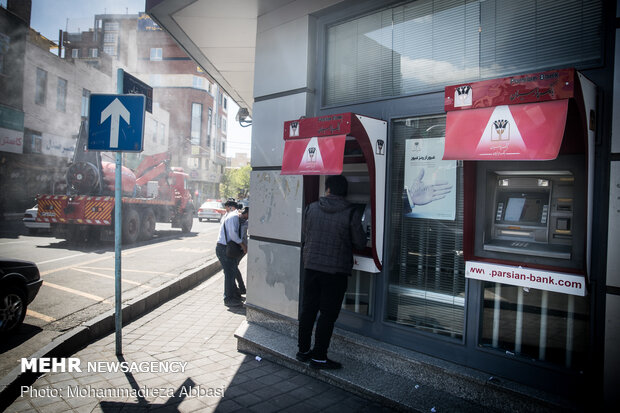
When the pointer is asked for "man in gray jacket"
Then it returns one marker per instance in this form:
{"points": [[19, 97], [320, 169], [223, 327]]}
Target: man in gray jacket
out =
{"points": [[332, 228]]}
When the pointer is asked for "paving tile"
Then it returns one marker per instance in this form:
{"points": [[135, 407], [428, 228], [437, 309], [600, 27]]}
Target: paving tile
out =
{"points": [[226, 406], [21, 406], [197, 329]]}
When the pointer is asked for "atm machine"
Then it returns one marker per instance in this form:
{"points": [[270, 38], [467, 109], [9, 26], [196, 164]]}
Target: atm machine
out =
{"points": [[354, 146], [529, 194]]}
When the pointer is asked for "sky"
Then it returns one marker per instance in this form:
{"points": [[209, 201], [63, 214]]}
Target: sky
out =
{"points": [[50, 16]]}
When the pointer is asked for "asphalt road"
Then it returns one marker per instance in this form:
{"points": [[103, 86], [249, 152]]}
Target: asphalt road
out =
{"points": [[78, 280]]}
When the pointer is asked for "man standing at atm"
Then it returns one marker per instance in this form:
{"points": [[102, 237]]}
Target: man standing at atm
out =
{"points": [[332, 227]]}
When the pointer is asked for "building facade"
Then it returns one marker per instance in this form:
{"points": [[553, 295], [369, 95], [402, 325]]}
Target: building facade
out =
{"points": [[194, 126], [46, 98], [397, 62]]}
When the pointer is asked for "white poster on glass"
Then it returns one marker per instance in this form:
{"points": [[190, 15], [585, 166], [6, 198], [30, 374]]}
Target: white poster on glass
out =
{"points": [[430, 182]]}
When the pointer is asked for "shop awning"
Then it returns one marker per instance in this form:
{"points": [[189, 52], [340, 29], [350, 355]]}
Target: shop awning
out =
{"points": [[530, 131], [321, 155]]}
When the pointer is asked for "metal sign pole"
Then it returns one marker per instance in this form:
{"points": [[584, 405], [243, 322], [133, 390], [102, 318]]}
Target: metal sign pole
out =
{"points": [[118, 313], [107, 132]]}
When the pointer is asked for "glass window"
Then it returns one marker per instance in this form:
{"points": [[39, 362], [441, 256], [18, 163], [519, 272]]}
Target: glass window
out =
{"points": [[112, 26], [196, 125], [540, 325], [85, 102], [156, 53], [61, 95], [224, 125], [110, 50], [198, 82], [93, 52], [75, 53], [41, 87], [427, 271], [109, 38], [36, 143], [424, 45], [359, 294], [209, 126]]}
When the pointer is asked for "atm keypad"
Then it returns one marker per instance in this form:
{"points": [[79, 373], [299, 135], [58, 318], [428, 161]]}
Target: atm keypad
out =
{"points": [[500, 209], [563, 224]]}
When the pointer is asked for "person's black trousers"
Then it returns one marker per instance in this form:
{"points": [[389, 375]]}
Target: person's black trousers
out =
{"points": [[322, 293]]}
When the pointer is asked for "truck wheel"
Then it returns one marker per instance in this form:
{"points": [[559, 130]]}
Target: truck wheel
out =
{"points": [[187, 220], [12, 308], [147, 229], [131, 226], [74, 235]]}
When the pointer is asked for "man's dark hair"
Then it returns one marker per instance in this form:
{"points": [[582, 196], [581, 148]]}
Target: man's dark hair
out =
{"points": [[337, 185], [231, 203]]}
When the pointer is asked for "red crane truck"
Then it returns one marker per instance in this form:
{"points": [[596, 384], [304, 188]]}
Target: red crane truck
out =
{"points": [[153, 192]]}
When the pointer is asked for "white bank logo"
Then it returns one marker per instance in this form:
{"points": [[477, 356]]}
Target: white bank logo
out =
{"points": [[74, 364]]}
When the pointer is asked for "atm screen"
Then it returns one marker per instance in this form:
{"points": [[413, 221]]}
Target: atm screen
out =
{"points": [[523, 210], [520, 208]]}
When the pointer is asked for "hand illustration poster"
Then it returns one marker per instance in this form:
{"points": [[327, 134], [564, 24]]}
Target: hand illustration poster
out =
{"points": [[430, 182]]}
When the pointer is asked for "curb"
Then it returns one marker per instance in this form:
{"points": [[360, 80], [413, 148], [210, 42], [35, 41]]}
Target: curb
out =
{"points": [[102, 325]]}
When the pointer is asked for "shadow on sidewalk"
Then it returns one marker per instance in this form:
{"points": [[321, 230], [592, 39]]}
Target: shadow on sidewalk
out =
{"points": [[170, 405]]}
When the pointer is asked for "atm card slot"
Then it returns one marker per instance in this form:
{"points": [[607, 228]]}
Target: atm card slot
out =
{"points": [[564, 205], [515, 233]]}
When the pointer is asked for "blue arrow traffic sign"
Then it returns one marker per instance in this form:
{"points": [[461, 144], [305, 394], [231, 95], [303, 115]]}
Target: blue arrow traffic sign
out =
{"points": [[116, 123]]}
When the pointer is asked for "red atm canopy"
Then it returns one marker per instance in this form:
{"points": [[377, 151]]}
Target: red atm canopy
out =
{"points": [[514, 118], [316, 146]]}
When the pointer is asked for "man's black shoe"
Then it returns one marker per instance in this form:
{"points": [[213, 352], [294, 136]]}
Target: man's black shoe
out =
{"points": [[303, 356], [233, 303], [326, 364]]}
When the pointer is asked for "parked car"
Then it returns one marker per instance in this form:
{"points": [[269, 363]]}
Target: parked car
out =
{"points": [[20, 282], [211, 210], [30, 222]]}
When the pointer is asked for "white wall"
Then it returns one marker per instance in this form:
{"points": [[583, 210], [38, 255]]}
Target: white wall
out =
{"points": [[45, 118], [283, 91]]}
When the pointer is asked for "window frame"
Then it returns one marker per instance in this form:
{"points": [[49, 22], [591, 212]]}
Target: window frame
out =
{"points": [[195, 140], [156, 54], [40, 93], [369, 7], [61, 95]]}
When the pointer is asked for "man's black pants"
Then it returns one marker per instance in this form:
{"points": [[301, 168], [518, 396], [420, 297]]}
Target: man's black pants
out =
{"points": [[322, 293]]}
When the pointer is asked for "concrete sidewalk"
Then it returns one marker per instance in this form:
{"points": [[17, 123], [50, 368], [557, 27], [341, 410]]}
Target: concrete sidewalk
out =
{"points": [[197, 329]]}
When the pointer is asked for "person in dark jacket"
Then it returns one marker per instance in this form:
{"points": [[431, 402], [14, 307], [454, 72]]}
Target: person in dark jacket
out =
{"points": [[332, 228]]}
